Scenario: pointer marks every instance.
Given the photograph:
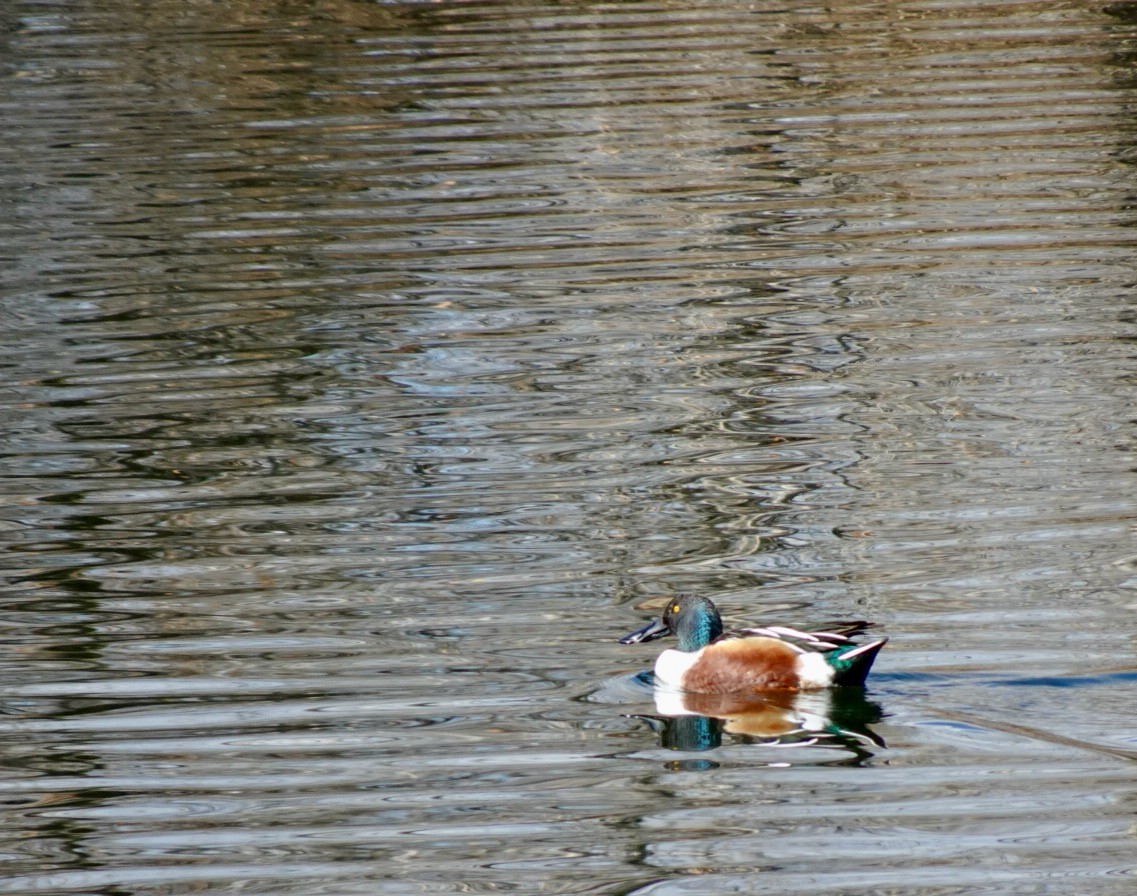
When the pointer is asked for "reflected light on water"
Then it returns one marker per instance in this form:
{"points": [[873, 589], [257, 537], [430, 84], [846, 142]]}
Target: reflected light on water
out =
{"points": [[366, 364]]}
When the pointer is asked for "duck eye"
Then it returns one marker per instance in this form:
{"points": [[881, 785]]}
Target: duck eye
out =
{"points": [[675, 608]]}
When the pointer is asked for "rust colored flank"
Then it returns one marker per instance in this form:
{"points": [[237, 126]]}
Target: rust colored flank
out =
{"points": [[736, 665]]}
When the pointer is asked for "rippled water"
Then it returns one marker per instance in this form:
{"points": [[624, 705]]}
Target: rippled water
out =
{"points": [[370, 367]]}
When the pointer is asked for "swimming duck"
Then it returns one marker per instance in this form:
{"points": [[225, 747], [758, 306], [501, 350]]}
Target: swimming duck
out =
{"points": [[752, 659]]}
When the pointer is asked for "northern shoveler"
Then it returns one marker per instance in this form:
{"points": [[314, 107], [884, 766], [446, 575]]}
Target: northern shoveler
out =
{"points": [[752, 659]]}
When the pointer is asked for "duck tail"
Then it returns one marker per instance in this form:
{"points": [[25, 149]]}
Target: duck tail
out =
{"points": [[851, 665]]}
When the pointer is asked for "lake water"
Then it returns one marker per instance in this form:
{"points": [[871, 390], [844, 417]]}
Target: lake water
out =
{"points": [[370, 367]]}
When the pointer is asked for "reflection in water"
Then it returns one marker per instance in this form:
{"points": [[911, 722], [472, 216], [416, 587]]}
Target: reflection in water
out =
{"points": [[363, 361], [837, 718]]}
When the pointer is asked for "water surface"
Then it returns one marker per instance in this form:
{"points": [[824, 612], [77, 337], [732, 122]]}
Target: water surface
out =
{"points": [[369, 368]]}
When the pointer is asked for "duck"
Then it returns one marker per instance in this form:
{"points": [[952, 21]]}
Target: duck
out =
{"points": [[710, 660]]}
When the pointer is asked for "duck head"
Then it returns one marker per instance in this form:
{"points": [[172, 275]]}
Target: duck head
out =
{"points": [[694, 620]]}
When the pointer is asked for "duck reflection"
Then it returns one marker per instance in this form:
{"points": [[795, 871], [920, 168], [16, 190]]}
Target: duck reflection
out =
{"points": [[839, 718]]}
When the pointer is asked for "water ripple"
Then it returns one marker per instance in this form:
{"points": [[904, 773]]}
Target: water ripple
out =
{"points": [[368, 366]]}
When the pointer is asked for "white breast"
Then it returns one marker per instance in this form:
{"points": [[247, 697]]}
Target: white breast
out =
{"points": [[671, 666]]}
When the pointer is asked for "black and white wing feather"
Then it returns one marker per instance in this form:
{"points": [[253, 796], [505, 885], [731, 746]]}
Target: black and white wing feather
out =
{"points": [[842, 635]]}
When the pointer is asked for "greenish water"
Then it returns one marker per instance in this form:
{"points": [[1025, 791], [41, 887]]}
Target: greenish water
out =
{"points": [[369, 368]]}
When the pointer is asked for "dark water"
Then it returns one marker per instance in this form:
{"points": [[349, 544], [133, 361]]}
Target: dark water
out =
{"points": [[370, 367]]}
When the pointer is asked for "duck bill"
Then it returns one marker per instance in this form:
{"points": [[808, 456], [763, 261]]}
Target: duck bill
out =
{"points": [[655, 629]]}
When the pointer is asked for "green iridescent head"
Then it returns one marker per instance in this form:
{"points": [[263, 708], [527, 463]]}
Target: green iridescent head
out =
{"points": [[694, 620]]}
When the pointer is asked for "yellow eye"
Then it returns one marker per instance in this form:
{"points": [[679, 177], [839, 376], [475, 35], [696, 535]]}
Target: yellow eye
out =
{"points": [[675, 608]]}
